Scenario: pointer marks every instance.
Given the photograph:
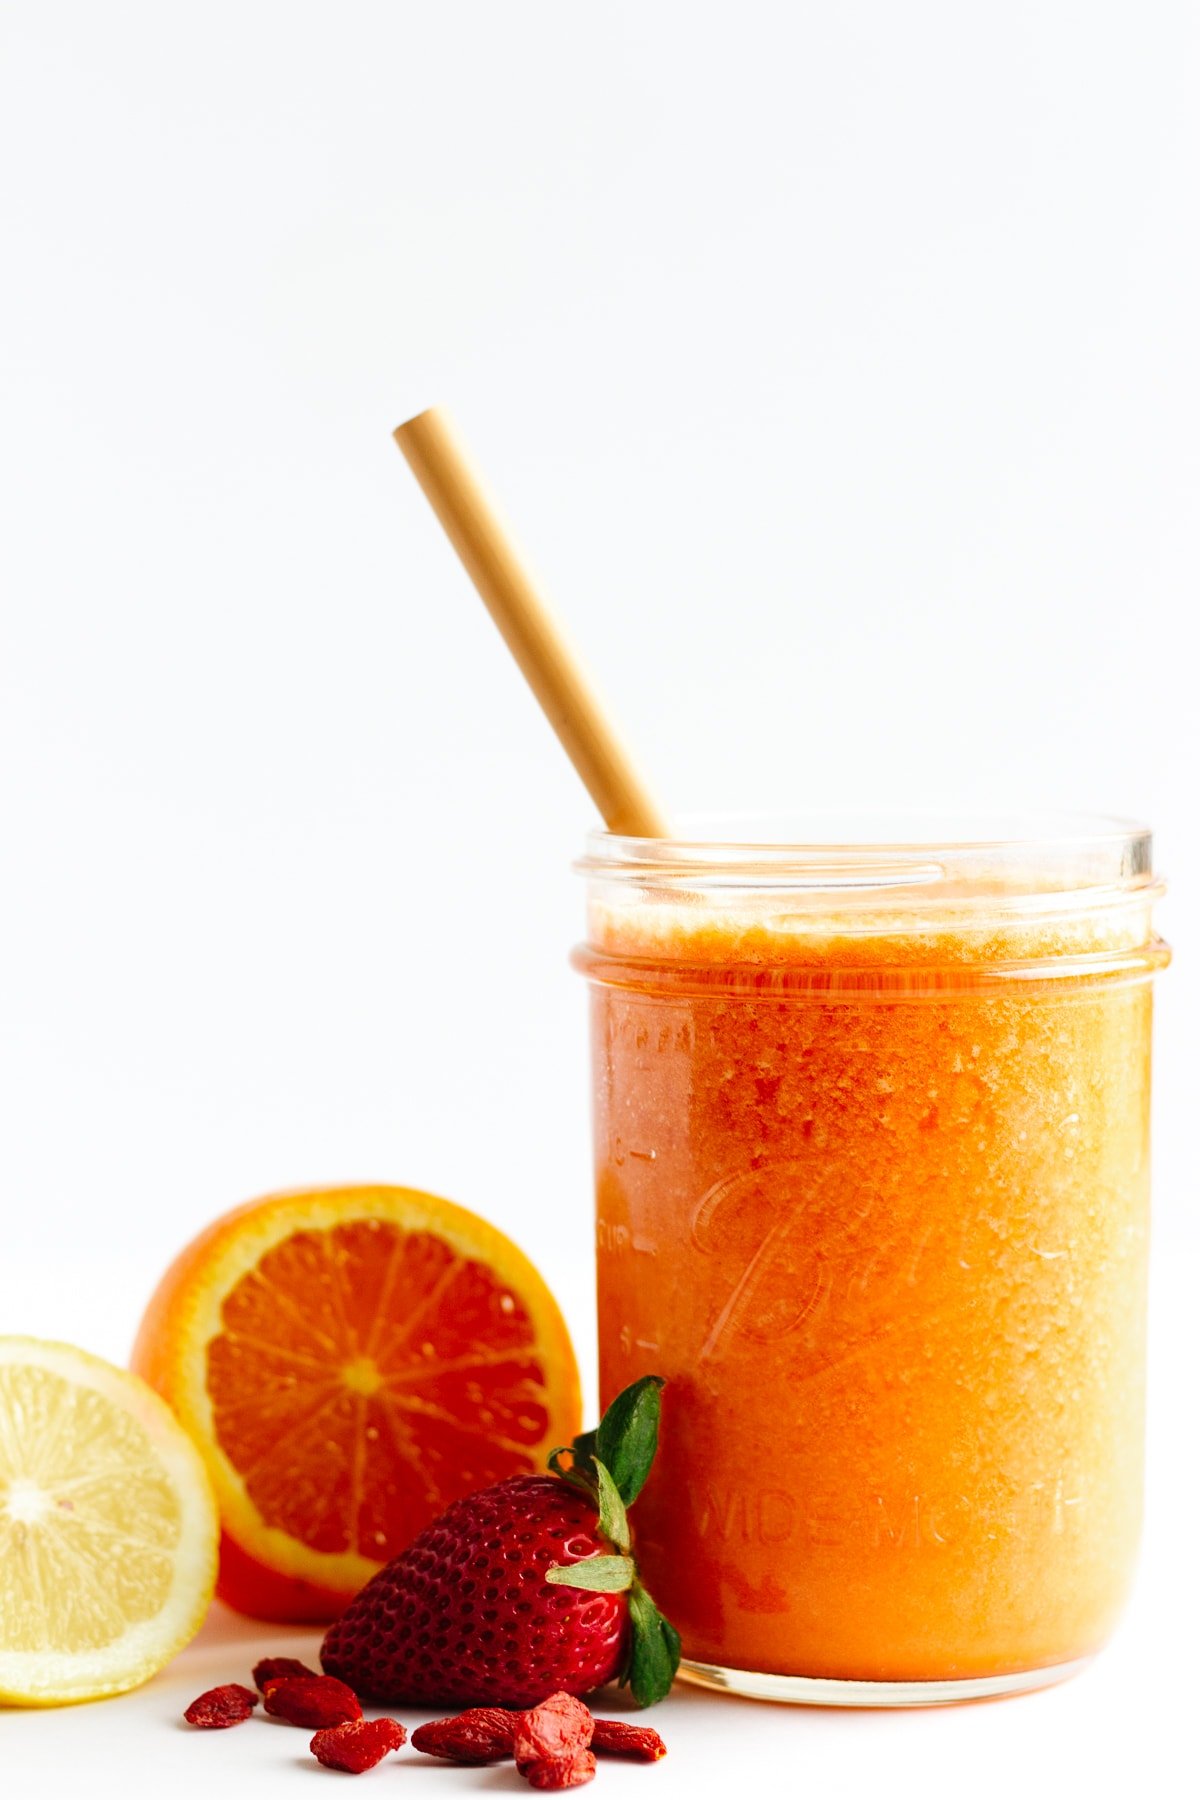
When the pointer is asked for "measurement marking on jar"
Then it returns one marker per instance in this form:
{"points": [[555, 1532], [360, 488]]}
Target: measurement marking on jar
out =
{"points": [[617, 1239]]}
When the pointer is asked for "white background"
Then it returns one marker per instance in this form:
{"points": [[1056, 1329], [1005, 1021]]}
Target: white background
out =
{"points": [[839, 366]]}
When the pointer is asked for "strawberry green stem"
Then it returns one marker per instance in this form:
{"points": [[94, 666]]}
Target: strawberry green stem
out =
{"points": [[610, 1465]]}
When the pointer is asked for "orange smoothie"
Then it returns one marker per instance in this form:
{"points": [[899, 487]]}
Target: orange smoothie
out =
{"points": [[872, 1185]]}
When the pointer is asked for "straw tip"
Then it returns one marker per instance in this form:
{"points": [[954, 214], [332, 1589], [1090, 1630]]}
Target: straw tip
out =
{"points": [[426, 417]]}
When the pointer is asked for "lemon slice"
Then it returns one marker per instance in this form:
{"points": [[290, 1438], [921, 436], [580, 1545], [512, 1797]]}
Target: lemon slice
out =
{"points": [[108, 1528]]}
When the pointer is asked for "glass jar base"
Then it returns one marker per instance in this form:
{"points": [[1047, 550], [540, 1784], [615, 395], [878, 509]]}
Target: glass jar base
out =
{"points": [[809, 1690]]}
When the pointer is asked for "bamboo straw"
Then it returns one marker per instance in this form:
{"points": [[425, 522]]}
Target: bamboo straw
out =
{"points": [[441, 465]]}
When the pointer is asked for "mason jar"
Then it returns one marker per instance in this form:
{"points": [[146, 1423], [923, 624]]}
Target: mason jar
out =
{"points": [[872, 1181]]}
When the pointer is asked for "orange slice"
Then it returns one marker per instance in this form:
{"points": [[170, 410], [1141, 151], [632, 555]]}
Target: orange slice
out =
{"points": [[349, 1361]]}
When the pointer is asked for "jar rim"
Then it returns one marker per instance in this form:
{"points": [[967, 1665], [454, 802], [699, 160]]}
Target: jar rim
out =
{"points": [[1036, 852]]}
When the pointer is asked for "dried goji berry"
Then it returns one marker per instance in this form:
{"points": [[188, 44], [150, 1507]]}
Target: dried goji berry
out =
{"points": [[482, 1735], [356, 1745], [560, 1771], [314, 1701], [615, 1738], [276, 1668], [559, 1727], [221, 1707]]}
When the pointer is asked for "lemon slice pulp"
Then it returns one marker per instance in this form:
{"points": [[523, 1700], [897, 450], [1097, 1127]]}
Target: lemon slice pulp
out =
{"points": [[108, 1528]]}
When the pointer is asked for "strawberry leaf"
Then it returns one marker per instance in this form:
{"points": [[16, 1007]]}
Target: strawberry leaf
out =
{"points": [[628, 1435], [654, 1650], [595, 1574], [613, 1522], [578, 1474], [584, 1446]]}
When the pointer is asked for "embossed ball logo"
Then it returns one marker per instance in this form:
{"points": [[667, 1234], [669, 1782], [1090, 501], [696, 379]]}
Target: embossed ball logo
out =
{"points": [[772, 1228]]}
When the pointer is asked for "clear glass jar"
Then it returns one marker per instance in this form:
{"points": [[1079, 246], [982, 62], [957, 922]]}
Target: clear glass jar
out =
{"points": [[872, 1160]]}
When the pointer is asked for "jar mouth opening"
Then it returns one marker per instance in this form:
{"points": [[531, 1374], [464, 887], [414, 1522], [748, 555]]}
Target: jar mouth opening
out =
{"points": [[1037, 854]]}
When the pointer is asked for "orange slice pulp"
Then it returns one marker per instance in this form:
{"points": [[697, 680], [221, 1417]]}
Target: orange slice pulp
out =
{"points": [[348, 1362]]}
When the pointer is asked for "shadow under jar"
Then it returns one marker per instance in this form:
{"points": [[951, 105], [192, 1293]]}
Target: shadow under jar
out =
{"points": [[872, 1164]]}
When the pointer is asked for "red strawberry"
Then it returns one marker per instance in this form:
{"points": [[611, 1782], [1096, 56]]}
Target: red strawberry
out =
{"points": [[524, 1588]]}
